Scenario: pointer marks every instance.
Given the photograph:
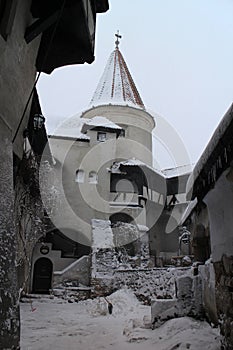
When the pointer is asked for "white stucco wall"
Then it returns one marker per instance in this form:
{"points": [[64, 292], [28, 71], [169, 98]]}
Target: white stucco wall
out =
{"points": [[80, 202], [219, 202], [138, 125]]}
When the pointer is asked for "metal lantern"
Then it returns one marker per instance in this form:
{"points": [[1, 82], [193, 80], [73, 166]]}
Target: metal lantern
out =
{"points": [[38, 121]]}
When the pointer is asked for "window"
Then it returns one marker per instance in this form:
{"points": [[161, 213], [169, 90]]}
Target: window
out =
{"points": [[93, 179], [101, 136], [122, 133], [80, 175]]}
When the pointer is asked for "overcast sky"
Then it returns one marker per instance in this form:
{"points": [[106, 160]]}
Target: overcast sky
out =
{"points": [[180, 55]]}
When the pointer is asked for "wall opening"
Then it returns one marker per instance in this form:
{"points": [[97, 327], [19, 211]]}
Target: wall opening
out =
{"points": [[80, 175], [92, 178], [42, 276], [125, 233]]}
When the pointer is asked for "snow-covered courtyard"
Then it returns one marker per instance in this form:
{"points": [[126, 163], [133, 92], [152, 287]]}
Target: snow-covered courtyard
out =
{"points": [[57, 324]]}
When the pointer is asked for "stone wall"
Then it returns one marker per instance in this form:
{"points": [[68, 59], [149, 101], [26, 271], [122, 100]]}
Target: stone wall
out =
{"points": [[9, 306], [224, 298], [147, 284], [29, 216], [17, 75], [187, 302], [207, 275]]}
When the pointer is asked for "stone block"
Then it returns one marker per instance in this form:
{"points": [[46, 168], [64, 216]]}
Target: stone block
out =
{"points": [[184, 287], [146, 322], [163, 310]]}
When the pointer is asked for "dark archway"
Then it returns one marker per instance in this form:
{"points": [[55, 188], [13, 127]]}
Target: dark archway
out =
{"points": [[201, 243], [42, 276], [121, 217], [125, 232]]}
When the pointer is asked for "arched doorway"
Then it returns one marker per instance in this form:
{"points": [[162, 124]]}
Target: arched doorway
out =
{"points": [[121, 217], [125, 233], [42, 276]]}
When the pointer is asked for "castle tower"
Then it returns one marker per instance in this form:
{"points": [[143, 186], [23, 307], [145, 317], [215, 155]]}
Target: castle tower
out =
{"points": [[103, 166], [116, 84], [117, 99]]}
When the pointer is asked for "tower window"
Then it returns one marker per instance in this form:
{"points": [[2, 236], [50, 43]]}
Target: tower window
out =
{"points": [[122, 133], [93, 179], [80, 175], [101, 136]]}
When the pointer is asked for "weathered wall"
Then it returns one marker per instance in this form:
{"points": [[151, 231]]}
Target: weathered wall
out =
{"points": [[187, 302], [224, 298], [29, 215], [219, 202], [147, 284], [198, 224], [150, 283], [9, 302], [207, 275], [17, 75], [17, 72], [164, 244]]}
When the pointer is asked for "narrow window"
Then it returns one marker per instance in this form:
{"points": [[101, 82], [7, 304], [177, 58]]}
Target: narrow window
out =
{"points": [[93, 177], [101, 136], [122, 133], [79, 176]]}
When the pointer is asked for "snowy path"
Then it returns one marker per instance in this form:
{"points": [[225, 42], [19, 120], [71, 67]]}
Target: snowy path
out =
{"points": [[56, 324]]}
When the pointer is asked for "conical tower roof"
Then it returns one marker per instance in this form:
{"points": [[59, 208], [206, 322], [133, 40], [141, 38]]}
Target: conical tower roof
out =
{"points": [[116, 85]]}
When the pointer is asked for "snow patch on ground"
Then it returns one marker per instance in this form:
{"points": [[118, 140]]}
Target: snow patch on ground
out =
{"points": [[57, 324]]}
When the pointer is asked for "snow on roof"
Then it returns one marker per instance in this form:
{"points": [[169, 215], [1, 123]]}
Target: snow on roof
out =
{"points": [[71, 133], [137, 162], [216, 157], [101, 121], [116, 84], [75, 127], [132, 162], [178, 171]]}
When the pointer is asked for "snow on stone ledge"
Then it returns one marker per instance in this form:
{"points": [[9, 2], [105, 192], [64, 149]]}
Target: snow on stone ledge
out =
{"points": [[102, 236], [177, 171], [142, 228]]}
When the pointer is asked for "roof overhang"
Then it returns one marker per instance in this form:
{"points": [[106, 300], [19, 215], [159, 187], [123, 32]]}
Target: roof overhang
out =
{"points": [[216, 158], [68, 31]]}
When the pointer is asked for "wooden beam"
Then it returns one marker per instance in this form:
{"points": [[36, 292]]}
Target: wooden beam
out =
{"points": [[40, 26]]}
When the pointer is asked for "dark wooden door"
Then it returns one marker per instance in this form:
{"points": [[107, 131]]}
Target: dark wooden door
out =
{"points": [[42, 277]]}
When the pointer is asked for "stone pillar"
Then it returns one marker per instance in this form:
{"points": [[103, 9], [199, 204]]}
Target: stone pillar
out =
{"points": [[9, 298]]}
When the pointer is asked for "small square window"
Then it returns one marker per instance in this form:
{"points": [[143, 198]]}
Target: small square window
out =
{"points": [[101, 136], [122, 133]]}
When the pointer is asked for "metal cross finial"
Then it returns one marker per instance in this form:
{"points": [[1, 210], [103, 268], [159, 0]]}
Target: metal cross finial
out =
{"points": [[118, 36]]}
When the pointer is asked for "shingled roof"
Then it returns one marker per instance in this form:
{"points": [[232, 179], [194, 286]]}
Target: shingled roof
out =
{"points": [[116, 85]]}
